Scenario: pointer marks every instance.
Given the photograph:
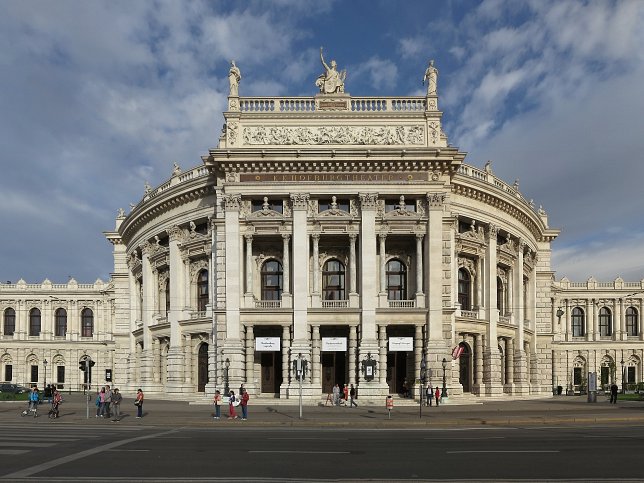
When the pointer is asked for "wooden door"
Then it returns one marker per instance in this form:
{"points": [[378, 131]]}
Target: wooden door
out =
{"points": [[202, 368]]}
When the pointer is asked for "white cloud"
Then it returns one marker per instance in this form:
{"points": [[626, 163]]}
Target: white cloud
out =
{"points": [[382, 73]]}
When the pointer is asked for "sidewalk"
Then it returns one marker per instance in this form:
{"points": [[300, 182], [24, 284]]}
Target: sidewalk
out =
{"points": [[557, 410]]}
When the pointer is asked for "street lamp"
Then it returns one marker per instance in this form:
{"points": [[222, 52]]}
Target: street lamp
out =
{"points": [[622, 363], [444, 391], [423, 371], [45, 364], [226, 366]]}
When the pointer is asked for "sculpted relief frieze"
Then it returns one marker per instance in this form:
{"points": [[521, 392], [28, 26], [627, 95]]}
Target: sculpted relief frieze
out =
{"points": [[365, 135]]}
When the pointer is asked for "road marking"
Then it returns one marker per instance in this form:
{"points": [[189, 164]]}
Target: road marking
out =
{"points": [[308, 439], [26, 444], [474, 438], [82, 454], [504, 451], [299, 452], [131, 450], [13, 451]]}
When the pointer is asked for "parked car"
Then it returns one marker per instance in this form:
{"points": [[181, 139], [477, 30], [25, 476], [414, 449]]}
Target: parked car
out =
{"points": [[13, 388]]}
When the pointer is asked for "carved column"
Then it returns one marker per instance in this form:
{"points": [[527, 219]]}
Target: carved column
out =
{"points": [[590, 320], [187, 347], [567, 310], [232, 347], [249, 264], [157, 360], [382, 360], [419, 264], [418, 354], [621, 320], [177, 303], [250, 358], [509, 350], [478, 349], [382, 237], [188, 299], [286, 345], [492, 358], [353, 342], [286, 264], [148, 309], [352, 263], [520, 365], [316, 367], [480, 300], [316, 262]]}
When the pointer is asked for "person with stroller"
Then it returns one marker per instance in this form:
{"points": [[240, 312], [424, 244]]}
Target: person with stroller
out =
{"points": [[56, 401], [34, 400]]}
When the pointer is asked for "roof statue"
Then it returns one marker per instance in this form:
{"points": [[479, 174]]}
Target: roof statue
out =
{"points": [[332, 81], [234, 76], [431, 76]]}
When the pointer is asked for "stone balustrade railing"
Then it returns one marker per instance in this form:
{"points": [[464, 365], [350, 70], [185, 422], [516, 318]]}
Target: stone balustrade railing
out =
{"points": [[268, 304], [198, 172], [481, 175], [401, 304], [47, 286], [335, 304], [470, 314], [592, 284], [307, 104]]}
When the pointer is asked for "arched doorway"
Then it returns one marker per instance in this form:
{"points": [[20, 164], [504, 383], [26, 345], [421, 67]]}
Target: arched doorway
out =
{"points": [[202, 368], [465, 367]]}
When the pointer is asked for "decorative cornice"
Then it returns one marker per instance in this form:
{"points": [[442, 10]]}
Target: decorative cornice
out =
{"points": [[300, 201], [368, 201], [232, 202], [175, 234], [436, 200]]}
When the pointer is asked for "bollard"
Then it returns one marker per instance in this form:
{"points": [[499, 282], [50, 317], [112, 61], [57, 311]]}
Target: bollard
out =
{"points": [[389, 404]]}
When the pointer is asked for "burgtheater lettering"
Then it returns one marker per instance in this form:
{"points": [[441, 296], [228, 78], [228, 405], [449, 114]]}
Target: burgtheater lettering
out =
{"points": [[334, 177]]}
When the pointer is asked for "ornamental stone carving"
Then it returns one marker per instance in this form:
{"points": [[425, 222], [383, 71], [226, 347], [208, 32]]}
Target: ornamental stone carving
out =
{"points": [[300, 201], [231, 202], [232, 128], [493, 231], [175, 234], [147, 248], [332, 81], [467, 264], [316, 135], [368, 201], [436, 200], [196, 267]]}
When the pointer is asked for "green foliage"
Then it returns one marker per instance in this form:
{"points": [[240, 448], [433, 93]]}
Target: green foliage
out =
{"points": [[7, 396]]}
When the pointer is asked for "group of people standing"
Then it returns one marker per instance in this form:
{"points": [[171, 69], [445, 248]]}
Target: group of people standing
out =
{"points": [[347, 395], [431, 394], [233, 402], [108, 403]]}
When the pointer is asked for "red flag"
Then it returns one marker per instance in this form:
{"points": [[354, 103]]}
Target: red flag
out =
{"points": [[458, 350]]}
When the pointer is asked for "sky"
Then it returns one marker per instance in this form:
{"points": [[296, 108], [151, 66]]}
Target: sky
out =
{"points": [[98, 97]]}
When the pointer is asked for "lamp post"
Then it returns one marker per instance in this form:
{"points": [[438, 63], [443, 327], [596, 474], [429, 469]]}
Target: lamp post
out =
{"points": [[226, 367], [444, 391], [45, 362], [622, 363], [423, 369]]}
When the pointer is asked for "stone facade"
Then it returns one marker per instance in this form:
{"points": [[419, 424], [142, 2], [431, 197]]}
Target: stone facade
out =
{"points": [[342, 230]]}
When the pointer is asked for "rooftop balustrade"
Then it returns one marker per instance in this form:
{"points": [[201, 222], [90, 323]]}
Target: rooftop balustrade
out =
{"points": [[292, 105]]}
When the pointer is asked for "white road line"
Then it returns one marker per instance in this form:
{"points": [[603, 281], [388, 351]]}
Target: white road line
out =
{"points": [[82, 454], [130, 450], [308, 439], [13, 451], [473, 438], [299, 452], [503, 451]]}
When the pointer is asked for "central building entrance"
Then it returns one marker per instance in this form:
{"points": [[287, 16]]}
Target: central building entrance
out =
{"points": [[333, 358], [400, 359], [268, 352]]}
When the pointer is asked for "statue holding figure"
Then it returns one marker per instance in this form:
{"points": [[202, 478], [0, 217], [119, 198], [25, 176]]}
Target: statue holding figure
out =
{"points": [[332, 81], [234, 76], [431, 76]]}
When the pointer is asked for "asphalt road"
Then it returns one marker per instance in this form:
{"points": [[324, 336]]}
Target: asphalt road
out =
{"points": [[72, 451]]}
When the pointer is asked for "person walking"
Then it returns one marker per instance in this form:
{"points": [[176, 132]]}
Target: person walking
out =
{"points": [[100, 400], [430, 394], [244, 405], [34, 399], [352, 396], [231, 406], [116, 405], [438, 395], [336, 395], [56, 401], [345, 393], [108, 402], [138, 402], [217, 402], [613, 393]]}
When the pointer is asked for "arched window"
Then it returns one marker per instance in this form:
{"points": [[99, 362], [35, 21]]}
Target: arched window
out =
{"points": [[167, 297], [272, 280], [578, 322], [61, 322], [500, 295], [87, 323], [202, 291], [34, 322], [605, 322], [464, 289], [9, 321], [396, 280], [333, 280], [632, 325]]}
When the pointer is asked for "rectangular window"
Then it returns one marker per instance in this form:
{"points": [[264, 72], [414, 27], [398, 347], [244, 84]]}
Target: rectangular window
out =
{"points": [[630, 375], [605, 375], [60, 374], [576, 376], [34, 374], [8, 372]]}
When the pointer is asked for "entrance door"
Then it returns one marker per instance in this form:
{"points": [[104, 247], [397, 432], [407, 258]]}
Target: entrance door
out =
{"points": [[465, 368], [397, 372], [202, 374], [334, 370], [271, 372]]}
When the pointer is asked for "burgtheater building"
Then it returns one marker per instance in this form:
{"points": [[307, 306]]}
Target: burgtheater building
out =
{"points": [[342, 231]]}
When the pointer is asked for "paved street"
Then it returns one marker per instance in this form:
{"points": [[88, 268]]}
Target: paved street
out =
{"points": [[558, 438]]}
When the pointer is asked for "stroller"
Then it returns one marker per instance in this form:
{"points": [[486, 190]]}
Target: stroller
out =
{"points": [[56, 401]]}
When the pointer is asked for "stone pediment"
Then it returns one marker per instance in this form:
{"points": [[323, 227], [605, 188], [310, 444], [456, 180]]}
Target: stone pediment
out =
{"points": [[264, 214], [334, 213]]}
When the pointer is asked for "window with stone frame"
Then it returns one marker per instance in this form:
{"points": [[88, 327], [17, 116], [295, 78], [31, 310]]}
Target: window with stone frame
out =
{"points": [[578, 322], [630, 375], [400, 204], [166, 290], [396, 280], [34, 322], [464, 289], [333, 204], [605, 322], [9, 323], [500, 295], [87, 323], [267, 204], [632, 321], [61, 322], [333, 278], [203, 295], [272, 277]]}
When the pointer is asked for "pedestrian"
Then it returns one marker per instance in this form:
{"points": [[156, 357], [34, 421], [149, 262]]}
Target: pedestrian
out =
{"points": [[34, 399], [98, 402], [108, 401], [430, 394], [116, 404], [336, 395], [352, 396], [217, 402], [244, 405], [613, 393], [57, 400], [138, 402], [47, 393], [345, 392], [231, 406], [438, 395], [241, 390]]}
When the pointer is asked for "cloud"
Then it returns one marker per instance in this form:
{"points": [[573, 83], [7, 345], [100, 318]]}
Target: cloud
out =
{"points": [[381, 73]]}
